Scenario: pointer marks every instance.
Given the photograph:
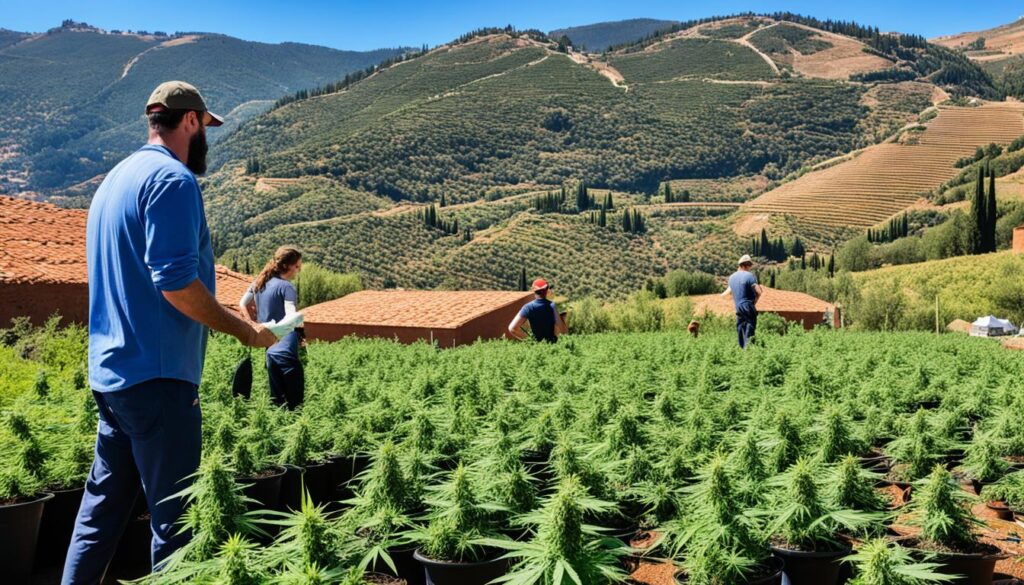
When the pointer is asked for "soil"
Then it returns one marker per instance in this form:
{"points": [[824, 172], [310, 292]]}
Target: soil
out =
{"points": [[654, 573], [378, 579]]}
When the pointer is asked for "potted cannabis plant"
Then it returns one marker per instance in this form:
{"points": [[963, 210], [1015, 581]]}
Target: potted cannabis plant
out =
{"points": [[879, 561], [451, 545], [983, 463], [942, 512], [21, 501], [565, 550], [377, 525], [1006, 496], [717, 538], [806, 526]]}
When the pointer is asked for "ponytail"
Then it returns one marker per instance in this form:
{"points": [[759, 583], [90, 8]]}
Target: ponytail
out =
{"points": [[284, 258]]}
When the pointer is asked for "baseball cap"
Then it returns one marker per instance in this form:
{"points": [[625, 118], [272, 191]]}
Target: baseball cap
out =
{"points": [[178, 95], [745, 259], [540, 284]]}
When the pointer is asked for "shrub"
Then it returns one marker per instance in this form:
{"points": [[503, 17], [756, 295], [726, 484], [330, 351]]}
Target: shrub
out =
{"points": [[316, 284]]}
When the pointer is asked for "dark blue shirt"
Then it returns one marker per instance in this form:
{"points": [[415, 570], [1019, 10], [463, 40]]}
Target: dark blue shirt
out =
{"points": [[742, 284], [542, 315], [270, 307], [146, 233]]}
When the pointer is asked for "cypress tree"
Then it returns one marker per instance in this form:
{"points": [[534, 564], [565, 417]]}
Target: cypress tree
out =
{"points": [[991, 213], [522, 279], [771, 279], [234, 264], [832, 264], [627, 225], [765, 248], [978, 223], [602, 218], [685, 197], [803, 263], [443, 201], [666, 191], [608, 202], [248, 269]]}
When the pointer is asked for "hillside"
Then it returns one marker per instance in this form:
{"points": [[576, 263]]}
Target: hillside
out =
{"points": [[599, 36], [882, 180], [968, 287], [988, 45], [720, 110], [71, 99]]}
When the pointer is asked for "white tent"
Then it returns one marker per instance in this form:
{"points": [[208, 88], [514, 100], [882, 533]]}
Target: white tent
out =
{"points": [[991, 327]]}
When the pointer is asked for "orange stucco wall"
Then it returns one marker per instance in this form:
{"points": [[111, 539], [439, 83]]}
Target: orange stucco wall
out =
{"points": [[38, 301]]}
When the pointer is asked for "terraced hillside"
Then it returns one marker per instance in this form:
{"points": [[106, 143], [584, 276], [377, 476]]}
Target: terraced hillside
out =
{"points": [[71, 99], [512, 113], [883, 180]]}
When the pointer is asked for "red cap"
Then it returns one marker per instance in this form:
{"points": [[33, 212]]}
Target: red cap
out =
{"points": [[540, 284]]}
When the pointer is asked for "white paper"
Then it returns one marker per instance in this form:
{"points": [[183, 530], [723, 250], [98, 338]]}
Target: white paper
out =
{"points": [[285, 325]]}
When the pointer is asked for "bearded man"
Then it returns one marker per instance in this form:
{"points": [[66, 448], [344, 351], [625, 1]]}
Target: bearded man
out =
{"points": [[151, 305]]}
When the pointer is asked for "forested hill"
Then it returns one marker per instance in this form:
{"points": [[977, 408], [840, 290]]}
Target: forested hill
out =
{"points": [[71, 99], [462, 166], [599, 36], [507, 111]]}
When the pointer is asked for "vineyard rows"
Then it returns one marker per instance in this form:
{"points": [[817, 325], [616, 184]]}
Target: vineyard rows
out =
{"points": [[887, 178]]}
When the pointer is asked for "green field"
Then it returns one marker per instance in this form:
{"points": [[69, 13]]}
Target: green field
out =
{"points": [[620, 432]]}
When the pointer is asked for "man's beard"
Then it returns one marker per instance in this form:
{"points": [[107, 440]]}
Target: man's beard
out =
{"points": [[197, 148]]}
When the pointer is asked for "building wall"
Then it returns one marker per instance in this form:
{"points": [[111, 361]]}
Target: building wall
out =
{"points": [[493, 325], [1018, 240], [809, 320], [38, 301]]}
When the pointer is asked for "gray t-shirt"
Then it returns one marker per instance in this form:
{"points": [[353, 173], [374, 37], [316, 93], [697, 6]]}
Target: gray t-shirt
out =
{"points": [[742, 284]]}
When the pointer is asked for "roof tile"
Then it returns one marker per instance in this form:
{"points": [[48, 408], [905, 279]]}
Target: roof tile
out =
{"points": [[407, 308]]}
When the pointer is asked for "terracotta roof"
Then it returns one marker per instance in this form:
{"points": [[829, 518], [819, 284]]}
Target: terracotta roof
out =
{"points": [[772, 300], [46, 244], [41, 242], [412, 308], [231, 286]]}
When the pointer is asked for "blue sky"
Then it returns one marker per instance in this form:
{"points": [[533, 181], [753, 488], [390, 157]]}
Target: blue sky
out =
{"points": [[346, 24]]}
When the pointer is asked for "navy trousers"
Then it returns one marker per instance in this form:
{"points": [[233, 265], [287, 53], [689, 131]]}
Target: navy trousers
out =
{"points": [[149, 434], [746, 323], [287, 380]]}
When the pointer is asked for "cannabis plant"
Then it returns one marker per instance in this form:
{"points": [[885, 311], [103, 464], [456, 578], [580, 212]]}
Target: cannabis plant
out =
{"points": [[852, 487], [917, 448], [882, 562], [565, 550], [717, 538], [1009, 489], [803, 518], [216, 509], [837, 437], [982, 461], [457, 523], [943, 512], [308, 537]]}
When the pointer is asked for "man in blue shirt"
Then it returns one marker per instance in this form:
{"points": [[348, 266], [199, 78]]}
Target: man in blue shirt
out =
{"points": [[545, 322], [151, 284], [745, 291]]}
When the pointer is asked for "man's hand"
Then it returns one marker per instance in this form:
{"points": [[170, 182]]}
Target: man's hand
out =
{"points": [[259, 336], [195, 302]]}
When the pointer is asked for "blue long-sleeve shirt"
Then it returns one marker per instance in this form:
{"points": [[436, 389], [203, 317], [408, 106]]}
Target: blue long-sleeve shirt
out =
{"points": [[146, 233]]}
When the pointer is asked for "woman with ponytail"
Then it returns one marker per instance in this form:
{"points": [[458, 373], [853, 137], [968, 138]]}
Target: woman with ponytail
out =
{"points": [[273, 298]]}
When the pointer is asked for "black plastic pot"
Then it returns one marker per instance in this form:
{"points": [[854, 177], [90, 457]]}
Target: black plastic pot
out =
{"points": [[811, 568], [445, 573], [968, 569], [1001, 510], [19, 531], [774, 566], [318, 482], [265, 489], [56, 526], [291, 489], [406, 565], [346, 467]]}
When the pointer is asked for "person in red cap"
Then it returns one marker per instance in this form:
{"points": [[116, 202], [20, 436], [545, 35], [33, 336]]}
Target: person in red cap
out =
{"points": [[545, 322]]}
